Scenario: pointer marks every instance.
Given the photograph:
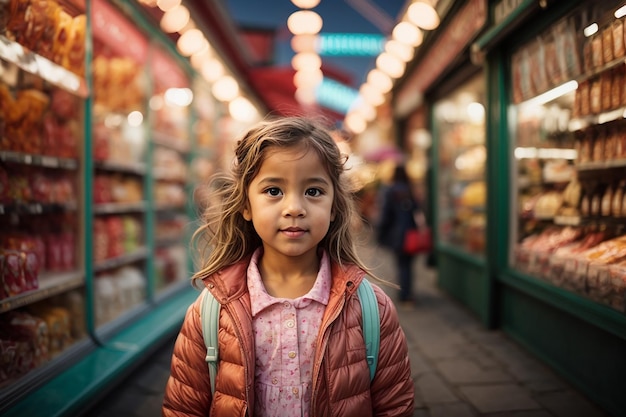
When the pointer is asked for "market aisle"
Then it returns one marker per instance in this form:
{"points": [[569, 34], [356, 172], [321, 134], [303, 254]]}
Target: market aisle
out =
{"points": [[460, 369]]}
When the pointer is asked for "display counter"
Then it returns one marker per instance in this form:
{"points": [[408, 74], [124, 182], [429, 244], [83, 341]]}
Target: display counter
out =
{"points": [[556, 169]]}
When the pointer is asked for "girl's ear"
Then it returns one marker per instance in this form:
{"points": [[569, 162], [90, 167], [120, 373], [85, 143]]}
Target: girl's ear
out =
{"points": [[247, 215]]}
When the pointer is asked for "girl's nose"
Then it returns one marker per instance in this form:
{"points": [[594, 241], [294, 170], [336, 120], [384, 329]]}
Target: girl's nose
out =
{"points": [[294, 207]]}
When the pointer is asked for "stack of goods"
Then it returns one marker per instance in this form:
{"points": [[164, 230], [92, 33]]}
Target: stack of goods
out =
{"points": [[47, 29], [35, 121], [117, 292], [117, 188], [31, 337], [116, 235], [46, 243]]}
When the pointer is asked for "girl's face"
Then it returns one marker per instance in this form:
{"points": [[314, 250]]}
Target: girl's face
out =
{"points": [[290, 202]]}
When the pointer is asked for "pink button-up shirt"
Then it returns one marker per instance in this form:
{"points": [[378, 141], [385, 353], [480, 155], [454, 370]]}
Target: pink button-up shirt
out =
{"points": [[285, 333]]}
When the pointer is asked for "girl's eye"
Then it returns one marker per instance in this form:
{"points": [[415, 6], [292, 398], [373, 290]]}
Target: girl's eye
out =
{"points": [[313, 192], [273, 191]]}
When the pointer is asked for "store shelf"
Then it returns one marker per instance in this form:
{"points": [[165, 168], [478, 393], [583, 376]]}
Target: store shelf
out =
{"points": [[42, 67], [169, 241], [36, 208], [49, 284], [120, 208], [38, 160], [121, 167], [138, 255], [599, 166], [585, 309], [73, 389], [165, 140]]}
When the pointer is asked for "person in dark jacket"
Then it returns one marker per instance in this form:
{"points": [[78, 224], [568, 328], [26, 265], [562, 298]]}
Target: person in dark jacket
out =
{"points": [[398, 213]]}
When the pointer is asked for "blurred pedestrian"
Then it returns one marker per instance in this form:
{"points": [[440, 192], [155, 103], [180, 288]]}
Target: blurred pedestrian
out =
{"points": [[399, 212]]}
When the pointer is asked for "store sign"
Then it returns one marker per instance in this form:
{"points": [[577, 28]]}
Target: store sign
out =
{"points": [[335, 96], [350, 44], [457, 35]]}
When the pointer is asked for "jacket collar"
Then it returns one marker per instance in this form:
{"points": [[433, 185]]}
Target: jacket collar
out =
{"points": [[230, 283]]}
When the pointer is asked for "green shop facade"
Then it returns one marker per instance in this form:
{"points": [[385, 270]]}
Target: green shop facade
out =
{"points": [[525, 109]]}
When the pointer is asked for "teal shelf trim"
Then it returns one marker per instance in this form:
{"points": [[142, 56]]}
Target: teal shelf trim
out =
{"points": [[76, 388], [464, 256], [507, 25], [577, 305]]}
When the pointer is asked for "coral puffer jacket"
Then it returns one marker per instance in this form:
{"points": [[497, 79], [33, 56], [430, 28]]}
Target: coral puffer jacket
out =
{"points": [[341, 380]]}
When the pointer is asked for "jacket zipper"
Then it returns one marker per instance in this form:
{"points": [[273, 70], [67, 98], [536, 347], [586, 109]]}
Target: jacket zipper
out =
{"points": [[246, 368], [318, 362]]}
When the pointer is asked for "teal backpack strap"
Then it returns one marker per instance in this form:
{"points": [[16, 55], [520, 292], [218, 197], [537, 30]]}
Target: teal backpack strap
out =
{"points": [[210, 317], [371, 324]]}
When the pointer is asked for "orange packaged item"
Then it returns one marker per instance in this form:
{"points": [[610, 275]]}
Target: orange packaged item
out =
{"points": [[607, 44], [75, 57], [618, 39]]}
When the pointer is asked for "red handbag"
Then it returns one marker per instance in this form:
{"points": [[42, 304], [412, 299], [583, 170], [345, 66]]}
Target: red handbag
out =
{"points": [[417, 241]]}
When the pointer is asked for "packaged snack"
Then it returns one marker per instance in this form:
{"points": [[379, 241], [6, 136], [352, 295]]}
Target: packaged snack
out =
{"points": [[618, 39], [607, 44]]}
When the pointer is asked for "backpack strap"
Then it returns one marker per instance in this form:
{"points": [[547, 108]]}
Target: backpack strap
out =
{"points": [[210, 317], [371, 323]]}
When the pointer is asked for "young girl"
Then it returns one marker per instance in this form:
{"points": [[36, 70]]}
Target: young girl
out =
{"points": [[283, 265]]}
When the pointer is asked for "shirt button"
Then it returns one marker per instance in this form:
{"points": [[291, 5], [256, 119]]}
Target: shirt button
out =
{"points": [[290, 323], [286, 304], [274, 381], [295, 390], [292, 354]]}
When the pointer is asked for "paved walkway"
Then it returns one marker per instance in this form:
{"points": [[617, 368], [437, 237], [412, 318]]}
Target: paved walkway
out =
{"points": [[460, 368]]}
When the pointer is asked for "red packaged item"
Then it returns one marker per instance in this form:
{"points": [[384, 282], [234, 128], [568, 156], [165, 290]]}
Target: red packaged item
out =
{"points": [[100, 240], [54, 252], [64, 105], [12, 273], [41, 187], [68, 251], [115, 232], [33, 330], [101, 142], [50, 135], [102, 189], [30, 270], [67, 139]]}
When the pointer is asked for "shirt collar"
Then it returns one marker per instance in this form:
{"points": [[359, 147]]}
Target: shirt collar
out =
{"points": [[260, 299]]}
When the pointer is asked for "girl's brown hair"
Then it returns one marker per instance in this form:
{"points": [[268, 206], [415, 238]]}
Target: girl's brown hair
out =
{"points": [[225, 237]]}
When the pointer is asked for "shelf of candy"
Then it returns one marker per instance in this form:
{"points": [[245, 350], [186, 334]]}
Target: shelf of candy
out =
{"points": [[550, 60], [170, 266], [600, 96], [118, 135], [171, 230], [46, 38], [169, 196], [117, 241], [39, 124], [118, 193], [587, 260], [169, 166], [33, 336], [170, 103], [118, 291], [38, 260]]}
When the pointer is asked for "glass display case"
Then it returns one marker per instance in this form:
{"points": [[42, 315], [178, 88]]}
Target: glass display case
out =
{"points": [[42, 104], [569, 155], [459, 121]]}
